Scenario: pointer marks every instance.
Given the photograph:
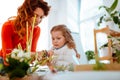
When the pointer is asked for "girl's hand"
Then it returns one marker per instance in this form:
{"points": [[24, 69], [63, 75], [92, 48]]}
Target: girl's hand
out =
{"points": [[50, 52], [78, 55], [51, 67]]}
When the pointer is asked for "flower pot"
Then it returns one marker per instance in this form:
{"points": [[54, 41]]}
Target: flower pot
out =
{"points": [[4, 78], [30, 77], [103, 52]]}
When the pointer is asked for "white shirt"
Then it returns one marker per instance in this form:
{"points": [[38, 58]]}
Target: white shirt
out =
{"points": [[64, 56]]}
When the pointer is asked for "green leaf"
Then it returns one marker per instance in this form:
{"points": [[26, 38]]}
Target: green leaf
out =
{"points": [[115, 19], [105, 45], [114, 13], [12, 64], [100, 21], [105, 7], [17, 73], [111, 13], [113, 6], [24, 66], [99, 66], [90, 55]]}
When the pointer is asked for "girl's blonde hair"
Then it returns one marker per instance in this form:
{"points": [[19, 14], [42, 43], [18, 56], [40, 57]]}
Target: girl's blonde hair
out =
{"points": [[66, 33]]}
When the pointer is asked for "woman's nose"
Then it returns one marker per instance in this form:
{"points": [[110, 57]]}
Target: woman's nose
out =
{"points": [[38, 20]]}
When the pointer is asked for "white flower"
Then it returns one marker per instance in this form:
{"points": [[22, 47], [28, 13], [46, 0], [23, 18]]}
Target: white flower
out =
{"points": [[20, 54], [21, 59], [27, 55], [14, 53]]}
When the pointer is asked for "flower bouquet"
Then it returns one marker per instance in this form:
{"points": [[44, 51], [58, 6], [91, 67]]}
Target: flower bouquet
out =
{"points": [[18, 63], [21, 63]]}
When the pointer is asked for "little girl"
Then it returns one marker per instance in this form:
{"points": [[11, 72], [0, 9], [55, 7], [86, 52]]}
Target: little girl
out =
{"points": [[64, 48]]}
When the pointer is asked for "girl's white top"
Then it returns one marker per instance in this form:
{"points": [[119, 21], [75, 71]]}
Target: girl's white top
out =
{"points": [[65, 56]]}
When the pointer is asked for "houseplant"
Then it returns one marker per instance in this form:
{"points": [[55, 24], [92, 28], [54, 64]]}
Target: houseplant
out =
{"points": [[90, 55], [113, 17]]}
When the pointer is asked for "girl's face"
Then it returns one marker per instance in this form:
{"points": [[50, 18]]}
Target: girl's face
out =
{"points": [[58, 40], [39, 15]]}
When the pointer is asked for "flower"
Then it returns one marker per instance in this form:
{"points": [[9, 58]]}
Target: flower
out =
{"points": [[20, 55], [21, 63], [18, 62]]}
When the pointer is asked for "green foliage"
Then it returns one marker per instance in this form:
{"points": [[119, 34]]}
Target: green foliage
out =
{"points": [[116, 52], [69, 67], [90, 55], [17, 73], [99, 66], [61, 68], [1, 66], [114, 15], [117, 56], [105, 45], [16, 68]]}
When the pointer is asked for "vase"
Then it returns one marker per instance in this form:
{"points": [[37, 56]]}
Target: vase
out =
{"points": [[30, 77], [4, 78]]}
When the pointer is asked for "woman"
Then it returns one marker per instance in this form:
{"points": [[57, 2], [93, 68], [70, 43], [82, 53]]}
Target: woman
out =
{"points": [[15, 29]]}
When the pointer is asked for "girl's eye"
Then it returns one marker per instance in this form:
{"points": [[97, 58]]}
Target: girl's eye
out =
{"points": [[58, 38], [53, 39]]}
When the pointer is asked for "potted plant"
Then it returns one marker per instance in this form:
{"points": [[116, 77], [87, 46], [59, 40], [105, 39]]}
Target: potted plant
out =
{"points": [[90, 56], [111, 15]]}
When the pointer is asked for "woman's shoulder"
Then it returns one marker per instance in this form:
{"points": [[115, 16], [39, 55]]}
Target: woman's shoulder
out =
{"points": [[37, 29], [9, 22], [8, 25]]}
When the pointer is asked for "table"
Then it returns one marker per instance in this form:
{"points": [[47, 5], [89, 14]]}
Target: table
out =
{"points": [[83, 75]]}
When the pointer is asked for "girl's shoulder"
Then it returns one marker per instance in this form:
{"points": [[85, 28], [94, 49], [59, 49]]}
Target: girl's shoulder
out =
{"points": [[69, 50], [66, 49]]}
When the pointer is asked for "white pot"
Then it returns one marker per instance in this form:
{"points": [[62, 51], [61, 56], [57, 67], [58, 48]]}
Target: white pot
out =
{"points": [[104, 52]]}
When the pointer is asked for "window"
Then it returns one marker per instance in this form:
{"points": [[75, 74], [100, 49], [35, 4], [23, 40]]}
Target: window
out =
{"points": [[89, 14]]}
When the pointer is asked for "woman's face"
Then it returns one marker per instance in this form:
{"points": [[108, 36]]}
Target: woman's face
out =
{"points": [[39, 15], [58, 40]]}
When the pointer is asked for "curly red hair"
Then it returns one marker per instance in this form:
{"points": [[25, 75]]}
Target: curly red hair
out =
{"points": [[26, 11]]}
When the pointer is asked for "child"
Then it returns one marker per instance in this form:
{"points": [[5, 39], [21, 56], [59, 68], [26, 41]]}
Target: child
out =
{"points": [[64, 48]]}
